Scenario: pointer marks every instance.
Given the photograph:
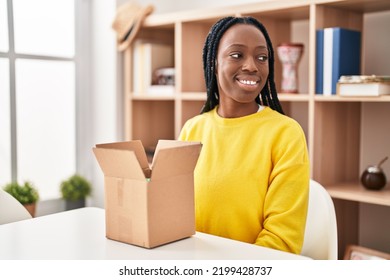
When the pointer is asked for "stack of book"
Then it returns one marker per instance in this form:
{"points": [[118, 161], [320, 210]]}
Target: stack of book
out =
{"points": [[148, 59], [363, 85], [337, 54]]}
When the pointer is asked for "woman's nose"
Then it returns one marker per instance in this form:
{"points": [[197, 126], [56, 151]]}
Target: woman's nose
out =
{"points": [[249, 64]]}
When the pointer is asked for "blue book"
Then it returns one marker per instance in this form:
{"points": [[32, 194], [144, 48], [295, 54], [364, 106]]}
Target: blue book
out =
{"points": [[319, 60], [341, 56]]}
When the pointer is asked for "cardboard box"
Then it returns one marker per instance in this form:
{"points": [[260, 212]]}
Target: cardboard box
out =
{"points": [[149, 205]]}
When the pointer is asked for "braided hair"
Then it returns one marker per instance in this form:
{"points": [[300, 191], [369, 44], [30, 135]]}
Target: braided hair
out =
{"points": [[268, 94]]}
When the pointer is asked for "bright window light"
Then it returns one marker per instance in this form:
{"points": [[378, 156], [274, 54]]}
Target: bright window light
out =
{"points": [[5, 124], [46, 126], [3, 26], [44, 27]]}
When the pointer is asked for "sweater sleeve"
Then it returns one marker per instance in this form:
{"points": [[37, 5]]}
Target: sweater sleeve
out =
{"points": [[183, 136], [286, 201]]}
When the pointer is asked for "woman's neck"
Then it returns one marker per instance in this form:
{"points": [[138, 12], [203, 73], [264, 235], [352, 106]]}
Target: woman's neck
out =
{"points": [[237, 110]]}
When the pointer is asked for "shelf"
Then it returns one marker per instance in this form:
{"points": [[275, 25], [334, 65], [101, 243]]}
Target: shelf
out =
{"points": [[285, 13], [361, 6], [356, 192], [282, 96], [195, 96], [201, 96], [298, 9], [293, 97], [152, 97], [383, 98]]}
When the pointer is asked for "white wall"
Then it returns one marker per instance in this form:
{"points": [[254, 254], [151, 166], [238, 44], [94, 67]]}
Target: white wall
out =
{"points": [[106, 124]]}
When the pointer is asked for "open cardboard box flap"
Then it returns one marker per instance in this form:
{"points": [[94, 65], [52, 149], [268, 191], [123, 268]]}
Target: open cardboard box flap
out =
{"points": [[123, 159], [174, 158], [118, 163], [128, 159]]}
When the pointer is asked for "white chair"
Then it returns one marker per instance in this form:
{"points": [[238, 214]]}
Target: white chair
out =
{"points": [[11, 210], [320, 240]]}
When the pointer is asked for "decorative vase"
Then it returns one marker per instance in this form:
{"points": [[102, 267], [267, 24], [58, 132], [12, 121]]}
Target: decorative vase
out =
{"points": [[373, 177], [290, 54]]}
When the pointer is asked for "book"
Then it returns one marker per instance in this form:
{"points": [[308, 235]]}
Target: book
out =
{"points": [[339, 55], [319, 60], [363, 85], [147, 58]]}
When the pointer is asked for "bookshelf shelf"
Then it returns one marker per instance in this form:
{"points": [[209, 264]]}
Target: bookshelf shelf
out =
{"points": [[153, 97], [360, 6], [354, 191], [196, 96], [333, 98], [344, 134], [293, 97]]}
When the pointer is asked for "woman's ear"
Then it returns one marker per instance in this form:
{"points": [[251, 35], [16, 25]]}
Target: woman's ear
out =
{"points": [[216, 66]]}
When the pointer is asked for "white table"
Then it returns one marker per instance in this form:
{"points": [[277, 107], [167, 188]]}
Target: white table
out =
{"points": [[80, 234]]}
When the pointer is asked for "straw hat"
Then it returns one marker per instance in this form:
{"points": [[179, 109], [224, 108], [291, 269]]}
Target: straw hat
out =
{"points": [[128, 20]]}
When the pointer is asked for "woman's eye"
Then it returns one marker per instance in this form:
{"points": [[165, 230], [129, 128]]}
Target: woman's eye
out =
{"points": [[235, 55], [262, 58]]}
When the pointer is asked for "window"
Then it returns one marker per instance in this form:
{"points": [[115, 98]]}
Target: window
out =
{"points": [[44, 27], [5, 124], [38, 92], [45, 103], [3, 26]]}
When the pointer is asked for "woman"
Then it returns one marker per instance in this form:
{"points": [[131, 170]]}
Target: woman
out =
{"points": [[252, 177]]}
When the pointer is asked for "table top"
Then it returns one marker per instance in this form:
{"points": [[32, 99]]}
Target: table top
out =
{"points": [[80, 234]]}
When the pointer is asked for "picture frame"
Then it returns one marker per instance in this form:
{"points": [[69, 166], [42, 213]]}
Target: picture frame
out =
{"points": [[355, 252]]}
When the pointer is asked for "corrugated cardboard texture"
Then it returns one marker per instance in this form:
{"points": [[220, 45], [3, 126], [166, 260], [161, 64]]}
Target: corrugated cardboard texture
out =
{"points": [[126, 211], [119, 163], [135, 146], [171, 211], [171, 162], [155, 212]]}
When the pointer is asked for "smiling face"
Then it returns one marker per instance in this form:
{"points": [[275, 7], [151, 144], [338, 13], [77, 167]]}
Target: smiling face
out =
{"points": [[241, 69]]}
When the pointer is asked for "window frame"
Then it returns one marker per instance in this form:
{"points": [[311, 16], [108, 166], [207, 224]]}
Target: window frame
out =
{"points": [[81, 59]]}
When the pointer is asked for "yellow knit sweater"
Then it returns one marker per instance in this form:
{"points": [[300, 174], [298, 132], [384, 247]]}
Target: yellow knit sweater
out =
{"points": [[252, 178]]}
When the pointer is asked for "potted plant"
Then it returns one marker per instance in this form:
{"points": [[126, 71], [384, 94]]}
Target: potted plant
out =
{"points": [[26, 194], [74, 191]]}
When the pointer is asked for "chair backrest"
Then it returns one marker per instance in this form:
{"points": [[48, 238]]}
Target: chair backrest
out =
{"points": [[320, 240], [11, 210]]}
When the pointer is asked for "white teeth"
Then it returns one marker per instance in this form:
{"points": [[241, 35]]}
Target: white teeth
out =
{"points": [[246, 82]]}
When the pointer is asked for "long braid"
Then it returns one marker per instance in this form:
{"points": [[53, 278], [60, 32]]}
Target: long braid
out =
{"points": [[209, 58], [268, 95]]}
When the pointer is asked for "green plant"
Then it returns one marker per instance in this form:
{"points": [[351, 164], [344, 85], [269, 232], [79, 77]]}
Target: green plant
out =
{"points": [[75, 188], [25, 194]]}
